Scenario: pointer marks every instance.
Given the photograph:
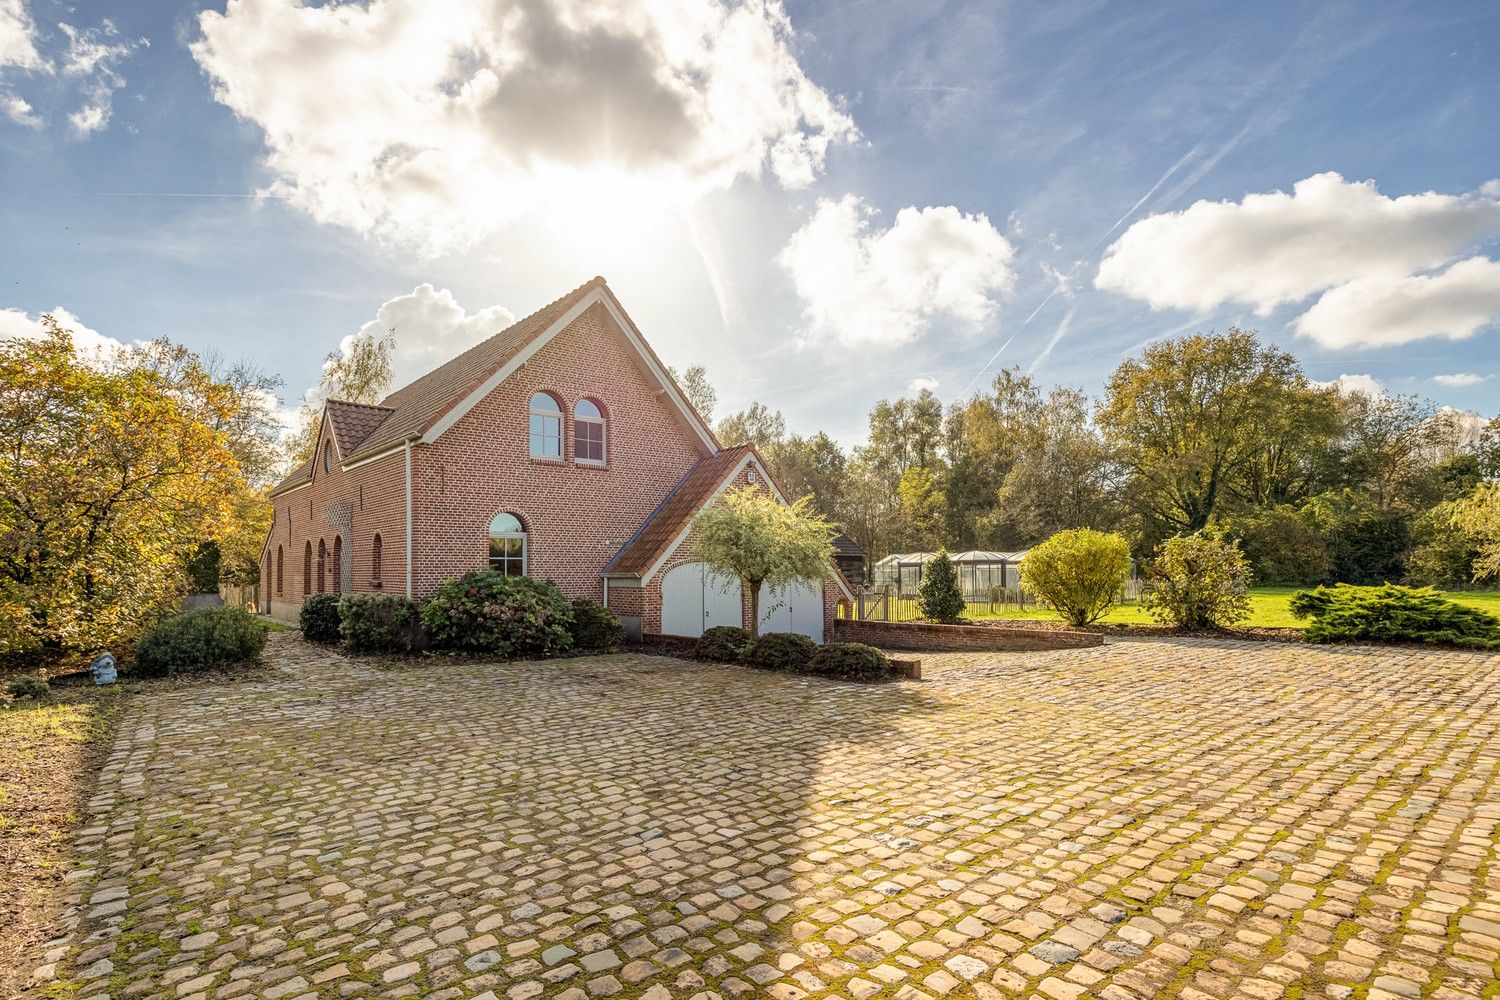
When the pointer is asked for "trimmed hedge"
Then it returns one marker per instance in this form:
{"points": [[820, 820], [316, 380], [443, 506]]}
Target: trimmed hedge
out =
{"points": [[781, 651], [200, 640], [320, 618], [378, 623], [849, 661], [722, 644], [1393, 614], [595, 627], [489, 612]]}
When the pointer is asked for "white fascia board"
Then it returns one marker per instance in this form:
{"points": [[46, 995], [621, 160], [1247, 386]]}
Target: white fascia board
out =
{"points": [[638, 341], [729, 477]]}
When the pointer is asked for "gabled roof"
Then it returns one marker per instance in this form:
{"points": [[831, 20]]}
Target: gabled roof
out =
{"points": [[640, 553], [423, 408], [843, 545]]}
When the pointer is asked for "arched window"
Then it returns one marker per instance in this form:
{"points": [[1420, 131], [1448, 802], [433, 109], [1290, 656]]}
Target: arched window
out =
{"points": [[508, 545], [546, 427], [337, 566], [307, 569], [280, 570], [328, 455], [375, 556], [588, 433], [322, 566]]}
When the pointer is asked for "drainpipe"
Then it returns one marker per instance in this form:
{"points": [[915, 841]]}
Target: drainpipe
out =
{"points": [[606, 591], [408, 518]]}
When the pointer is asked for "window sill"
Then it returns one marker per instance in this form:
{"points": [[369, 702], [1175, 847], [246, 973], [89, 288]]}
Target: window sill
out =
{"points": [[582, 464], [548, 461]]}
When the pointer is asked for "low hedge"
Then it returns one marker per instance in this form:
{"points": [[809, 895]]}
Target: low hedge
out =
{"points": [[781, 651], [32, 686], [722, 644], [849, 661], [489, 612], [379, 623], [595, 627], [320, 618], [200, 640], [1393, 614]]}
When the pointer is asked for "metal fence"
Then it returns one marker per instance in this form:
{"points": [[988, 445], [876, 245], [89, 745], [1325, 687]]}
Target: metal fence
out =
{"points": [[891, 604]]}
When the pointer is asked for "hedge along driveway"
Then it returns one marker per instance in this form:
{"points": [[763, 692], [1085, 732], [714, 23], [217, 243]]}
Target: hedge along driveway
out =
{"points": [[1137, 819]]}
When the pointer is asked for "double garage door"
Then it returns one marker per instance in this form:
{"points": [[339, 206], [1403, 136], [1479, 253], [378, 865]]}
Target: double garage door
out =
{"points": [[695, 598]]}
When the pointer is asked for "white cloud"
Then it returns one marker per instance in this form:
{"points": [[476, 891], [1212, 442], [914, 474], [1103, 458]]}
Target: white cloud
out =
{"points": [[93, 56], [1276, 248], [1367, 384], [432, 124], [887, 287], [430, 327], [18, 37], [916, 385], [1460, 380], [1383, 310], [14, 323]]}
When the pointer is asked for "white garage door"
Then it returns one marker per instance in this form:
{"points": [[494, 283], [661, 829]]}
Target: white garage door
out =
{"points": [[694, 598], [798, 608]]}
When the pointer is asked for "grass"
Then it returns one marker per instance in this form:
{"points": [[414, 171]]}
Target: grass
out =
{"points": [[47, 752], [1268, 609]]}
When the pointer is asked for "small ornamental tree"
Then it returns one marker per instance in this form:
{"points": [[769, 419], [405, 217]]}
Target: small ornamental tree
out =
{"points": [[1198, 581], [750, 535], [1078, 573], [938, 595]]}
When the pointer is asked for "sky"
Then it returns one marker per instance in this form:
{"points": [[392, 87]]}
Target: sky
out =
{"points": [[824, 203]]}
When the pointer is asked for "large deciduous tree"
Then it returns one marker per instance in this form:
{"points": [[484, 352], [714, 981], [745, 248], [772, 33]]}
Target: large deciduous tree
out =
{"points": [[1187, 418], [112, 469], [750, 535]]}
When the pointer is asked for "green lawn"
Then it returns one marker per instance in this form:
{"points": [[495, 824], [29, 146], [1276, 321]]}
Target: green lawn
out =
{"points": [[1268, 609]]}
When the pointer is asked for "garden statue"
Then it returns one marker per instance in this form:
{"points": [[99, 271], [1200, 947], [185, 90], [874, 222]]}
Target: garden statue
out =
{"points": [[103, 669]]}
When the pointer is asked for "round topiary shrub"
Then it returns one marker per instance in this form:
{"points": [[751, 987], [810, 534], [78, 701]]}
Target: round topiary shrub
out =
{"points": [[781, 651], [849, 661], [722, 644], [200, 640], [1198, 581], [595, 627], [320, 618], [1078, 573], [489, 612], [32, 686], [379, 623]]}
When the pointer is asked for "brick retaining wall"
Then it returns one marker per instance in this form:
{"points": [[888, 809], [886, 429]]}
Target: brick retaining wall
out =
{"points": [[927, 636]]}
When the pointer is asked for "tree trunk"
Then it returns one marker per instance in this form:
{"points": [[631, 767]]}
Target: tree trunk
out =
{"points": [[754, 586]]}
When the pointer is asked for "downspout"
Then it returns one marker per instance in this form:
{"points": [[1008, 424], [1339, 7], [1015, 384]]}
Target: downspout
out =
{"points": [[408, 519], [606, 591]]}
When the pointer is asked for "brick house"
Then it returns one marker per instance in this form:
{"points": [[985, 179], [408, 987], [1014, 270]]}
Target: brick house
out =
{"points": [[559, 448]]}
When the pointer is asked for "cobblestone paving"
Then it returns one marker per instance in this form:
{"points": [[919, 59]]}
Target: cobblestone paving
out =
{"points": [[1150, 818]]}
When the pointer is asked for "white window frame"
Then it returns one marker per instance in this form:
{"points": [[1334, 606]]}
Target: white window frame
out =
{"points": [[557, 414], [505, 535], [602, 423]]}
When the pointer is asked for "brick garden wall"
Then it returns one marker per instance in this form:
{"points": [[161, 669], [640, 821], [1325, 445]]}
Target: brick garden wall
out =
{"points": [[925, 636]]}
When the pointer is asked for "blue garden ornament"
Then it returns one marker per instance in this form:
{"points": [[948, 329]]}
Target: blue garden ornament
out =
{"points": [[103, 669]]}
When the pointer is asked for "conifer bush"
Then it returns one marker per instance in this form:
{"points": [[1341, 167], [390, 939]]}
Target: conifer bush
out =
{"points": [[938, 595]]}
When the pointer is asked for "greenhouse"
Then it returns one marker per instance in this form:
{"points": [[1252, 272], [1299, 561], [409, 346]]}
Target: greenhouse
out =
{"points": [[979, 572]]}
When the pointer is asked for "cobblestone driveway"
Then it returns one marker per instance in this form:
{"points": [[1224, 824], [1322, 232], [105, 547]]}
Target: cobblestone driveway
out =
{"points": [[1149, 818]]}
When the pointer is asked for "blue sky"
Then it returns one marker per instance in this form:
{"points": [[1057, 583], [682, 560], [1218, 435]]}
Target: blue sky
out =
{"points": [[825, 205]]}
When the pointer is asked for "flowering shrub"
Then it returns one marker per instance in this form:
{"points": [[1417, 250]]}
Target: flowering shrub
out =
{"points": [[489, 612]]}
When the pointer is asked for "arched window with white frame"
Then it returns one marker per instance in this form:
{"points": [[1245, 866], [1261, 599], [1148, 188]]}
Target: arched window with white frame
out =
{"points": [[589, 433], [508, 545], [546, 427]]}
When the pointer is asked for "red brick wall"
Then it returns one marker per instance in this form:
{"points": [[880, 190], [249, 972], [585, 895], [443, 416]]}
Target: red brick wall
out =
{"points": [[375, 495], [576, 516], [927, 636]]}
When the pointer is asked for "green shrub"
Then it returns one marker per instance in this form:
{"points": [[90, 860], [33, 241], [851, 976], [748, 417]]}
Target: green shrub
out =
{"points": [[938, 595], [1078, 573], [849, 661], [1198, 581], [489, 612], [29, 686], [1282, 544], [781, 651], [378, 623], [200, 640], [1393, 614], [722, 644], [595, 627], [320, 618]]}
